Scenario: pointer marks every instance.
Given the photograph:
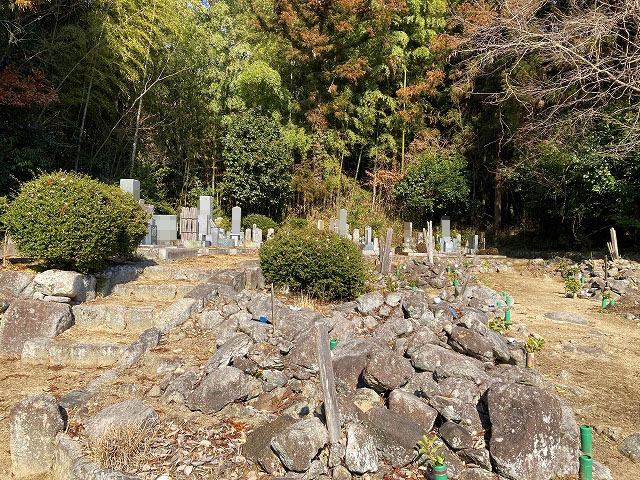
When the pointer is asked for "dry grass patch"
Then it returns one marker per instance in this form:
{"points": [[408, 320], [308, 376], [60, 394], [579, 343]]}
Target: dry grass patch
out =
{"points": [[124, 447]]}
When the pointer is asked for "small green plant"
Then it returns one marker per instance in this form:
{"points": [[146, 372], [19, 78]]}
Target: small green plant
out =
{"points": [[465, 264], [571, 285], [391, 285], [572, 272], [452, 276], [499, 325], [562, 268], [534, 344], [428, 450], [607, 295]]}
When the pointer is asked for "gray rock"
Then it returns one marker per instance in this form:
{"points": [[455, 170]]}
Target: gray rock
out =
{"points": [[476, 456], [630, 447], [361, 455], [236, 346], [218, 389], [340, 473], [210, 319], [450, 408], [531, 438], [471, 343], [459, 388], [369, 302], [413, 408], [394, 435], [76, 398], [304, 351], [416, 306], [60, 283], [298, 444], [29, 319], [422, 336], [422, 385], [566, 317], [258, 445], [180, 387], [348, 370], [34, 423], [456, 436], [619, 286], [393, 299], [130, 413], [601, 472], [13, 283], [477, 474], [392, 328], [386, 370]]}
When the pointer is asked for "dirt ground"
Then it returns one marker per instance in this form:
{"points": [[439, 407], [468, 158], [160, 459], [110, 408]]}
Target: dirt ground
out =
{"points": [[603, 384]]}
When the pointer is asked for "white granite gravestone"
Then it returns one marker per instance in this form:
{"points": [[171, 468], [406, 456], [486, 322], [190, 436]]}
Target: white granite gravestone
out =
{"points": [[131, 186], [167, 228]]}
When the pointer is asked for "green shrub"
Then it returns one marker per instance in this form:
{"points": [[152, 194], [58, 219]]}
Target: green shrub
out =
{"points": [[321, 264], [261, 221], [72, 221], [296, 223]]}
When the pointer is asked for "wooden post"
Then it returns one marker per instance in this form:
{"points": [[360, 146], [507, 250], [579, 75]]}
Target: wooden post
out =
{"points": [[273, 310], [386, 259], [606, 268], [466, 282], [325, 366], [430, 245], [615, 255]]}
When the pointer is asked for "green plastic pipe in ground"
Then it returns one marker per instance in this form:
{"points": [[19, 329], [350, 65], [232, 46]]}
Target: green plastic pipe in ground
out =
{"points": [[586, 467], [440, 472], [332, 344], [586, 439], [507, 316], [604, 303], [455, 282]]}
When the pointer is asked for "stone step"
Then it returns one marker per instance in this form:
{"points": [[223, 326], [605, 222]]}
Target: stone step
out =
{"points": [[151, 292], [114, 317], [46, 351], [160, 272]]}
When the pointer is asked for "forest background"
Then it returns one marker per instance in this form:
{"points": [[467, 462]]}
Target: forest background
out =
{"points": [[520, 117]]}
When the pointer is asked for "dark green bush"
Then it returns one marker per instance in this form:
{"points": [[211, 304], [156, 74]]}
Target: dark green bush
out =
{"points": [[73, 221], [324, 265], [261, 221]]}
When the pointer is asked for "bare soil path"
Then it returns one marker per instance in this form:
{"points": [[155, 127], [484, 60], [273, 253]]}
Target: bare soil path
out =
{"points": [[602, 359]]}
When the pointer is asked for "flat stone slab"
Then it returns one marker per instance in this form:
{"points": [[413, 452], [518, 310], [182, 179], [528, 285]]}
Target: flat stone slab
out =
{"points": [[128, 414], [28, 319], [566, 317], [12, 283]]}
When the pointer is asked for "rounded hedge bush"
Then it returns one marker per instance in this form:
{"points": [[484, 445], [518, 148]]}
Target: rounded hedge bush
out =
{"points": [[263, 222], [324, 265], [70, 220]]}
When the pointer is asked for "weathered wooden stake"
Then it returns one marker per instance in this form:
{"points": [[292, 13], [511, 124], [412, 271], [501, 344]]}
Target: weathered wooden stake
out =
{"points": [[615, 255], [273, 310], [466, 282], [325, 366], [386, 259]]}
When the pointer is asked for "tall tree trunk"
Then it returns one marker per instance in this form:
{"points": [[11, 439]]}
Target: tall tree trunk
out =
{"points": [[134, 147], [497, 201], [84, 117]]}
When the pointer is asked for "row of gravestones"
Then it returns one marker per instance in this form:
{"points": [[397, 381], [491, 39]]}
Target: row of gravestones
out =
{"points": [[196, 225], [369, 244]]}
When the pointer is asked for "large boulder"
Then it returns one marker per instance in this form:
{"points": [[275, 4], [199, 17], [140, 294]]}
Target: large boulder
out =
{"points": [[128, 414], [13, 283], [531, 436], [34, 423], [60, 283], [258, 445], [630, 447], [387, 370], [298, 444], [28, 319], [220, 388], [416, 306], [369, 302], [236, 346], [360, 455], [395, 435], [412, 407]]}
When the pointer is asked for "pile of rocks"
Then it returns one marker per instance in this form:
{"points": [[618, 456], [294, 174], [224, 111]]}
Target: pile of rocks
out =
{"points": [[404, 366], [622, 277]]}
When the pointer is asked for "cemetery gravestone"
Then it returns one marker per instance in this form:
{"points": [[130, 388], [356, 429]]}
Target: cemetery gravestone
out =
{"points": [[270, 233], [131, 186], [320, 224], [356, 236], [166, 228], [332, 224], [205, 205], [188, 224]]}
